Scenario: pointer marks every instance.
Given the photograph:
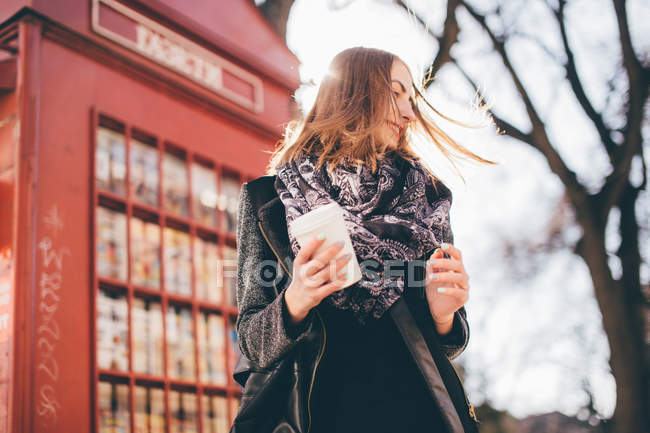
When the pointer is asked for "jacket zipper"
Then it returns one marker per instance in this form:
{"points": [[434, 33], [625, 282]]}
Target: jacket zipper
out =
{"points": [[313, 375], [322, 348], [472, 412]]}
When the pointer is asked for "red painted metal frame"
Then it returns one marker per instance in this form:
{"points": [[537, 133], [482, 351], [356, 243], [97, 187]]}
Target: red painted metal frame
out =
{"points": [[9, 172], [66, 77], [28, 99]]}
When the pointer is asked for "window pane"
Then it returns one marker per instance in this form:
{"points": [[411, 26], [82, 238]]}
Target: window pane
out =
{"points": [[110, 164], [184, 412], [175, 185], [113, 401], [112, 331], [157, 405], [207, 414], [215, 416], [144, 173], [180, 343], [212, 349], [177, 262], [147, 337], [229, 265], [234, 407], [229, 202], [111, 244], [221, 413], [204, 195], [140, 418], [233, 343], [206, 261], [145, 253]]}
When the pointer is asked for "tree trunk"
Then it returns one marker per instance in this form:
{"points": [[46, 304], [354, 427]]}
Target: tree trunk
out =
{"points": [[623, 317]]}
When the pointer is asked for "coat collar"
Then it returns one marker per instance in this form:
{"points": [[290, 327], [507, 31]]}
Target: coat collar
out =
{"points": [[271, 216]]}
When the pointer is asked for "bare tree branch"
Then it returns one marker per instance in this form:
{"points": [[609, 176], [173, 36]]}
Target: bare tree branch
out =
{"points": [[576, 84], [499, 45], [443, 56], [540, 140], [449, 37], [630, 61], [539, 43], [417, 17], [503, 125], [617, 181]]}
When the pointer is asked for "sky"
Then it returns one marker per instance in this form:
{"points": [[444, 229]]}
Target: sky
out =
{"points": [[536, 330]]}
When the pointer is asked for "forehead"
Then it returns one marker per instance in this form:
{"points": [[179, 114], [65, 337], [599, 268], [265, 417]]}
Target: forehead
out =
{"points": [[399, 74]]}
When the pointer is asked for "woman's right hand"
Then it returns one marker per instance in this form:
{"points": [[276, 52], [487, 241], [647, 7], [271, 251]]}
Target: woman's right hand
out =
{"points": [[314, 277]]}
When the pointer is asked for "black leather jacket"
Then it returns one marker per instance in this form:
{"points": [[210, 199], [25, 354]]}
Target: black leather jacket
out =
{"points": [[266, 334]]}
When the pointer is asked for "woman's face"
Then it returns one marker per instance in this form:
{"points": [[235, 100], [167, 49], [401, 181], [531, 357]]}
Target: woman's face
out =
{"points": [[402, 88]]}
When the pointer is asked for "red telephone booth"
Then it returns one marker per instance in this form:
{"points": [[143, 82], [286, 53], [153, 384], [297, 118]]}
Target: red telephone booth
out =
{"points": [[126, 130]]}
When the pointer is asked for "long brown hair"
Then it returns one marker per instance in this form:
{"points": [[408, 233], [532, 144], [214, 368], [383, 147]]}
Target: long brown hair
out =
{"points": [[353, 102]]}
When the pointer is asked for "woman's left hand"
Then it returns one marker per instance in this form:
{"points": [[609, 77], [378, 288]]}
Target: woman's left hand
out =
{"points": [[447, 284]]}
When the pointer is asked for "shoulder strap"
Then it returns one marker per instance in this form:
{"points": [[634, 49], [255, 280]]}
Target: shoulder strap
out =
{"points": [[419, 350]]}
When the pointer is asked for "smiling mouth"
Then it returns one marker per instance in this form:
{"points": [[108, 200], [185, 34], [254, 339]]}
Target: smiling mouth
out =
{"points": [[397, 129]]}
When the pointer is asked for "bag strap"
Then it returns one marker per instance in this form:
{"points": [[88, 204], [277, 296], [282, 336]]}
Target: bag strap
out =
{"points": [[414, 340]]}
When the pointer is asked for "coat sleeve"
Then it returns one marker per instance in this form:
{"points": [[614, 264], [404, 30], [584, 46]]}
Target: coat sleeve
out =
{"points": [[265, 330], [455, 341]]}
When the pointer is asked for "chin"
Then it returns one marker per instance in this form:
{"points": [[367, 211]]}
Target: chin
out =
{"points": [[390, 141]]}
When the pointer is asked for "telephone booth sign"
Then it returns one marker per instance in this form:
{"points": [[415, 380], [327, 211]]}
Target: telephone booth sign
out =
{"points": [[126, 130]]}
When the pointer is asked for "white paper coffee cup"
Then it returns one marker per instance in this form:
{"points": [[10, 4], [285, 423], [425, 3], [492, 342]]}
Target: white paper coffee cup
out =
{"points": [[328, 220]]}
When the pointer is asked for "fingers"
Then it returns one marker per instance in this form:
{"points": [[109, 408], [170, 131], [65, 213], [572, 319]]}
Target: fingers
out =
{"points": [[450, 264], [452, 251], [316, 275], [334, 285], [305, 253], [442, 278], [324, 257], [437, 261], [456, 275], [460, 294], [437, 254], [330, 272]]}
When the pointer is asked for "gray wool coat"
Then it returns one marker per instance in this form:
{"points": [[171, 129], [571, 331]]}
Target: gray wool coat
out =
{"points": [[265, 330]]}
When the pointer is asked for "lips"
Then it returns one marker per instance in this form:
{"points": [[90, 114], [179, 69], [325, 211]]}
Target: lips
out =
{"points": [[397, 128]]}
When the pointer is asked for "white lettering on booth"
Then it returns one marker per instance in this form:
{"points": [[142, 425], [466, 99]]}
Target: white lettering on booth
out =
{"points": [[47, 329], [175, 56]]}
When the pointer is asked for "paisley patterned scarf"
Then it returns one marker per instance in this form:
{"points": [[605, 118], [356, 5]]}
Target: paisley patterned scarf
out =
{"points": [[394, 214]]}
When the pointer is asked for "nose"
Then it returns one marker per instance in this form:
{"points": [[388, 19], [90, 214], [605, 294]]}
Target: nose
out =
{"points": [[406, 111]]}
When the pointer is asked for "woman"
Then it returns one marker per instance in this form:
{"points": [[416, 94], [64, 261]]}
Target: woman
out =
{"points": [[382, 366]]}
